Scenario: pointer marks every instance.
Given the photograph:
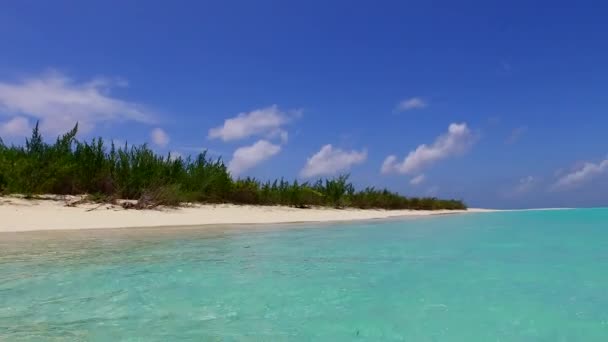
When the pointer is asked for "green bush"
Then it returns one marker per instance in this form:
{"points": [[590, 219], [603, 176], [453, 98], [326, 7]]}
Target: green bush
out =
{"points": [[69, 166]]}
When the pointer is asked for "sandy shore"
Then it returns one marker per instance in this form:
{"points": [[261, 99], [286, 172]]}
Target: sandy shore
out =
{"points": [[17, 214]]}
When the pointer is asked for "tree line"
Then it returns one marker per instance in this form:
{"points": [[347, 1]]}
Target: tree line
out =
{"points": [[73, 167]]}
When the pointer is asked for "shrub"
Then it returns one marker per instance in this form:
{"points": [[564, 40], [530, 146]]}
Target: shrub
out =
{"points": [[69, 166]]}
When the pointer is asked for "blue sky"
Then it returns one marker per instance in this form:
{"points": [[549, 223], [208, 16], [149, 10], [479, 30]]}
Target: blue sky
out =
{"points": [[500, 103]]}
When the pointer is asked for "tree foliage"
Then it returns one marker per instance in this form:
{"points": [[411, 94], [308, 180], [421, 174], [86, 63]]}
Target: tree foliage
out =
{"points": [[69, 166]]}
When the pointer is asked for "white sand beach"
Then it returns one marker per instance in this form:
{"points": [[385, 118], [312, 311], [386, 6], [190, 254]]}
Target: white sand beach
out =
{"points": [[18, 214]]}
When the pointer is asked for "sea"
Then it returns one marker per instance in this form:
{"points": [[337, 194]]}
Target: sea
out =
{"points": [[537, 275]]}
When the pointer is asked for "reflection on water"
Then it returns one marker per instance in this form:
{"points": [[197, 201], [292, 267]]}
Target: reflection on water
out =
{"points": [[496, 276]]}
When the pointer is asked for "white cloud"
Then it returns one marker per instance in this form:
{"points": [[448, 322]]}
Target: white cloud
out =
{"points": [[432, 191], [456, 141], [418, 180], [329, 161], [524, 185], [15, 127], [59, 102], [516, 134], [284, 137], [411, 103], [265, 122], [389, 164], [159, 137], [174, 155], [247, 157], [581, 175]]}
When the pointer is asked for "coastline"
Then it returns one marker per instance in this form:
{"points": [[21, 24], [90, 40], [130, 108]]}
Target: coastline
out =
{"points": [[52, 213]]}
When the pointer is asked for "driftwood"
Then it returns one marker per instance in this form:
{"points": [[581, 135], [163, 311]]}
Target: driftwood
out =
{"points": [[97, 207], [82, 200], [146, 201]]}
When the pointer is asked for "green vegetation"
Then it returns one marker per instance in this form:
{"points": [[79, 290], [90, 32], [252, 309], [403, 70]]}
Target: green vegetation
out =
{"points": [[73, 167]]}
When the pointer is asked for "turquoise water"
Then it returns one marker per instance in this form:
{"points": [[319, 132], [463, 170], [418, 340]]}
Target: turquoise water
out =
{"points": [[512, 276]]}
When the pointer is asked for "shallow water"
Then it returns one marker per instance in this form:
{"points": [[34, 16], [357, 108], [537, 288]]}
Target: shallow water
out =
{"points": [[512, 276]]}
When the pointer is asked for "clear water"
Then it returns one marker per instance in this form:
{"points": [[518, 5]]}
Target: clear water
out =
{"points": [[515, 276]]}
